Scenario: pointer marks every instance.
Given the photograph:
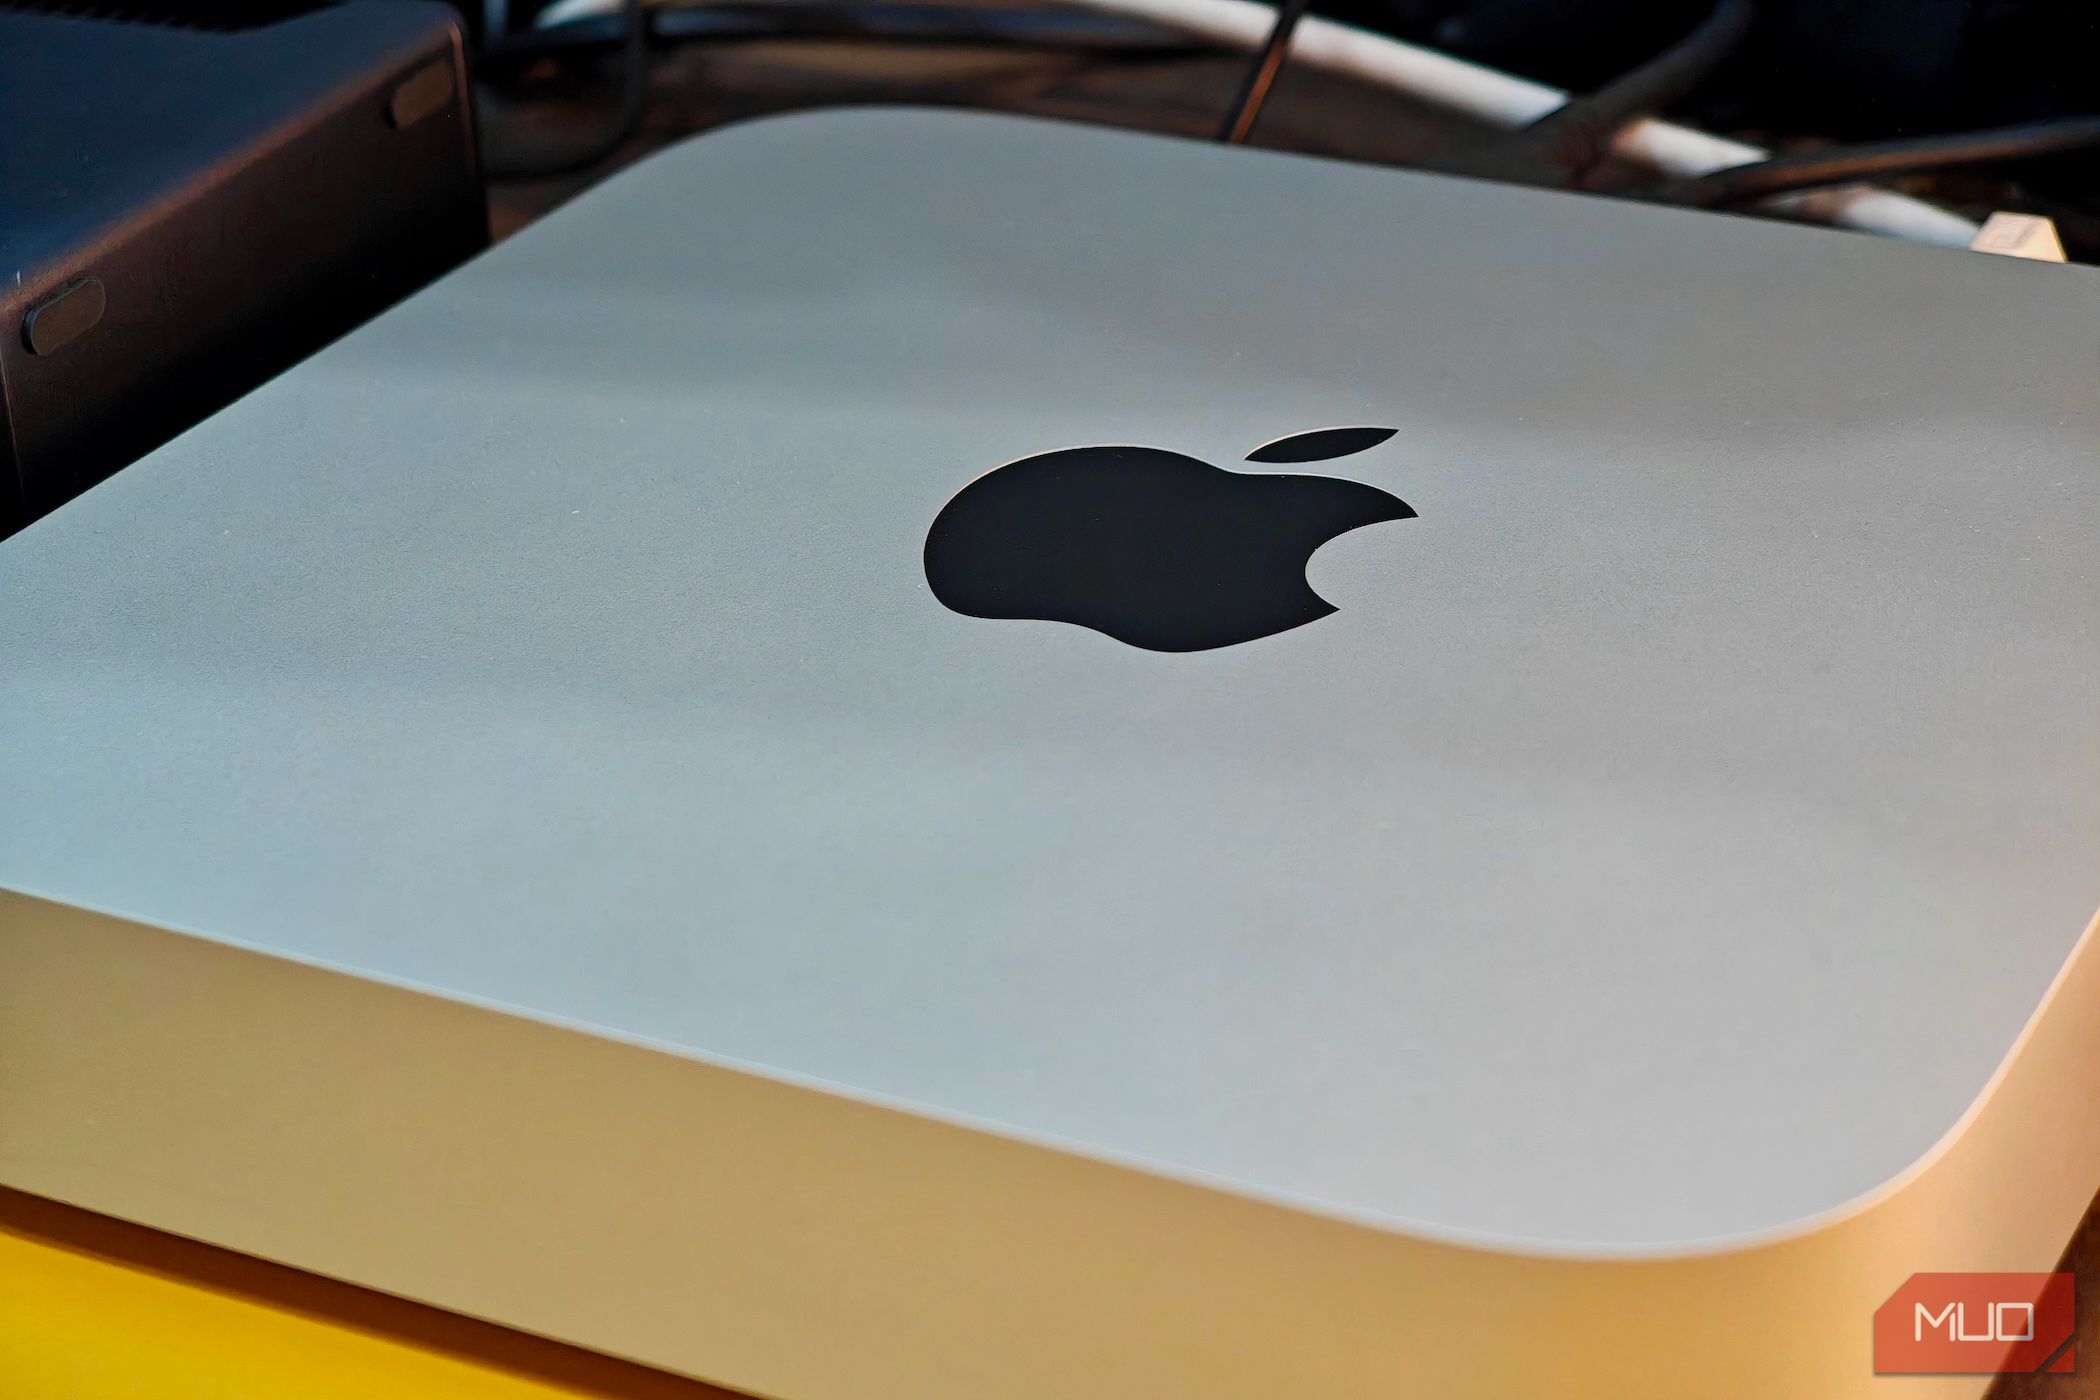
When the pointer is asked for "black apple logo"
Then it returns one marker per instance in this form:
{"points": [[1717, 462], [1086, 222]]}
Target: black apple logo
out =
{"points": [[1153, 548]]}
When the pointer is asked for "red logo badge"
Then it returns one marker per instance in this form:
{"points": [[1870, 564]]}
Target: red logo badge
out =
{"points": [[1972, 1324]]}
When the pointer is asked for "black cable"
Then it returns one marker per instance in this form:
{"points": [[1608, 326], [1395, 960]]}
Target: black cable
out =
{"points": [[888, 21], [1842, 164], [502, 164], [1573, 136], [1261, 76], [1560, 147], [920, 23]]}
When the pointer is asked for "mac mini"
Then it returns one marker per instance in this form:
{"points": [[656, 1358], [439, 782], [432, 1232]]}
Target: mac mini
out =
{"points": [[921, 756]]}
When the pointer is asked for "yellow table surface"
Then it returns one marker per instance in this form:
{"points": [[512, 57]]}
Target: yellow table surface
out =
{"points": [[95, 1309]]}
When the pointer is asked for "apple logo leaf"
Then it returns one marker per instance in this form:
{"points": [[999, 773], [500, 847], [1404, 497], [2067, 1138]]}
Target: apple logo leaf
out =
{"points": [[1320, 445]]}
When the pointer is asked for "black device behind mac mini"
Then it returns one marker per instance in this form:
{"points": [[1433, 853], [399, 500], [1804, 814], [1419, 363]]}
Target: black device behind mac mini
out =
{"points": [[193, 199]]}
